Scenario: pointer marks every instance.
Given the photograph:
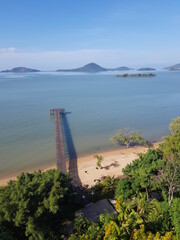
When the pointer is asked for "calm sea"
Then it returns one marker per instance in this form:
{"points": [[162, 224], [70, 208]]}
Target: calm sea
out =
{"points": [[98, 105]]}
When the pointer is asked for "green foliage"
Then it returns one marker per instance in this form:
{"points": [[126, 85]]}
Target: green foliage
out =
{"points": [[104, 189], [105, 218], [124, 189], [142, 234], [128, 137], [154, 214], [175, 216], [174, 126], [170, 174], [93, 232], [140, 216], [36, 205], [99, 160], [112, 231], [171, 147], [142, 172], [84, 229], [137, 218], [81, 224]]}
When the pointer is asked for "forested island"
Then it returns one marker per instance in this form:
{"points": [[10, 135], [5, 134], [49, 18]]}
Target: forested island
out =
{"points": [[136, 75]]}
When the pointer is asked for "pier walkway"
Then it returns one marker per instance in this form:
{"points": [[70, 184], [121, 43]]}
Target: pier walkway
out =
{"points": [[60, 154], [66, 158]]}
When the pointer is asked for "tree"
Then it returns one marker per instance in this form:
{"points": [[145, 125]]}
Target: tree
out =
{"points": [[36, 205], [143, 171], [170, 173], [175, 215], [174, 126], [128, 137], [99, 160]]}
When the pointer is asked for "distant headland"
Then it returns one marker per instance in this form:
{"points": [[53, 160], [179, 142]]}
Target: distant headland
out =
{"points": [[20, 70], [174, 67]]}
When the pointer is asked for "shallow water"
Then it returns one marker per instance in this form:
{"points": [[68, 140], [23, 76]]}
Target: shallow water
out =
{"points": [[99, 104]]}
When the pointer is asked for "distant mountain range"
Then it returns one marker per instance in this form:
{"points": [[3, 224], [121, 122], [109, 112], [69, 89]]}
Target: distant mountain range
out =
{"points": [[20, 70], [89, 68], [93, 68], [174, 67]]}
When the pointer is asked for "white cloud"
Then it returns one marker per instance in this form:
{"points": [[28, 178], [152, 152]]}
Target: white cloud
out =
{"points": [[7, 50], [10, 50]]}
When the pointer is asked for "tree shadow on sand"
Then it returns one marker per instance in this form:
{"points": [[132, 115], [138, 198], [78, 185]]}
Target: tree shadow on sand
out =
{"points": [[114, 164]]}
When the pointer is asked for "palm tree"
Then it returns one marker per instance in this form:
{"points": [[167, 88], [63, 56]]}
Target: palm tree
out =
{"points": [[99, 160]]}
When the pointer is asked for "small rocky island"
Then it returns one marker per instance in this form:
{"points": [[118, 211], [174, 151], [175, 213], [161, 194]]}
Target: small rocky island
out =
{"points": [[146, 69], [136, 75]]}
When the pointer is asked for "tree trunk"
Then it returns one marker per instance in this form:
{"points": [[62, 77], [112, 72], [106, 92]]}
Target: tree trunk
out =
{"points": [[127, 144], [171, 193], [147, 195]]}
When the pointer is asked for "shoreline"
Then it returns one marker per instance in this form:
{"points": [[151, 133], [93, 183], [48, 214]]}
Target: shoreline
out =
{"points": [[114, 161]]}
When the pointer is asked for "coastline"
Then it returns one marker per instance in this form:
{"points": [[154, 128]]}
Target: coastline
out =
{"points": [[114, 161]]}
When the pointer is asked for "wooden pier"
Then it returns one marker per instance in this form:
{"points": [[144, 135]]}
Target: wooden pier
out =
{"points": [[60, 154]]}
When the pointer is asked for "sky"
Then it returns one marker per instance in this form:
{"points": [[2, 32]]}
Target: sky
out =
{"points": [[55, 34]]}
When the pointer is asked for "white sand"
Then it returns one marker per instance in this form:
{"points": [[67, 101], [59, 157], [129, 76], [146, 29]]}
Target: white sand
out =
{"points": [[112, 165]]}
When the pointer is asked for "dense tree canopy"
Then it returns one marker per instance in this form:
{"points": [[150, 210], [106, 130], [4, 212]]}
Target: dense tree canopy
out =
{"points": [[36, 205]]}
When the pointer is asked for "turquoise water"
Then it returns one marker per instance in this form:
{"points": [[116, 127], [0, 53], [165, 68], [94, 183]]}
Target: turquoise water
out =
{"points": [[99, 105]]}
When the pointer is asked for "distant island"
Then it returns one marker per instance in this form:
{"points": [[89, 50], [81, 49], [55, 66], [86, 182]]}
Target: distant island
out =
{"points": [[174, 67], [146, 69], [88, 68], [136, 75], [94, 68], [124, 68], [20, 70]]}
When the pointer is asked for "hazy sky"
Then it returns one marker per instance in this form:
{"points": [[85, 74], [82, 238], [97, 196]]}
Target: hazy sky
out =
{"points": [[51, 34]]}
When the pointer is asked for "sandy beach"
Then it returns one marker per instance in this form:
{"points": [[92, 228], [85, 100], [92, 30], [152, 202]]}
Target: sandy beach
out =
{"points": [[112, 165]]}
